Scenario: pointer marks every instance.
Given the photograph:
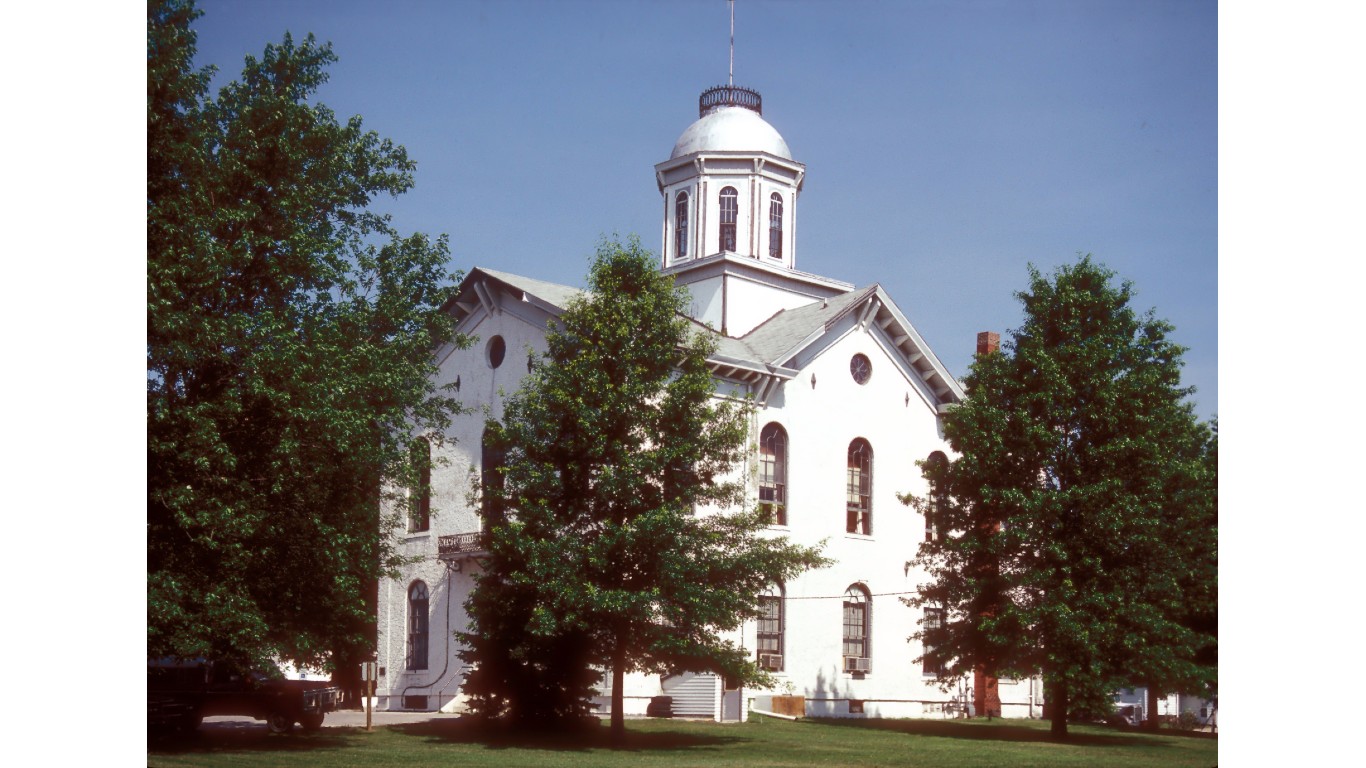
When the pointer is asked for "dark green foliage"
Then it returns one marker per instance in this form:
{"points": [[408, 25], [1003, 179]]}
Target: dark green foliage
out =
{"points": [[289, 338], [1080, 512], [612, 444]]}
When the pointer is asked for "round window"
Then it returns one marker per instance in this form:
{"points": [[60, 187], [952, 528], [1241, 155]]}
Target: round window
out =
{"points": [[860, 368], [496, 350]]}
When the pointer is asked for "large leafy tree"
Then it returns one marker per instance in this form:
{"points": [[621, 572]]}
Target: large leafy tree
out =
{"points": [[289, 339], [611, 448], [1078, 517]]}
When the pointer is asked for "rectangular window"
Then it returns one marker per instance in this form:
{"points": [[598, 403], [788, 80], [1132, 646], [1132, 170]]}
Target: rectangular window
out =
{"points": [[856, 628]]}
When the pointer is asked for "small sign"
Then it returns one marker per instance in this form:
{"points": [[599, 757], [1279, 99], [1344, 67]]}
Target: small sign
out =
{"points": [[369, 671]]}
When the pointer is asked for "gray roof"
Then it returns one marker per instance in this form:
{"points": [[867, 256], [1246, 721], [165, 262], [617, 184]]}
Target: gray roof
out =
{"points": [[777, 336], [769, 345], [552, 293]]}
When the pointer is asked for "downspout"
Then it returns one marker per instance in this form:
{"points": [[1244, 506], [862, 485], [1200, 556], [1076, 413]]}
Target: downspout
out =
{"points": [[447, 654]]}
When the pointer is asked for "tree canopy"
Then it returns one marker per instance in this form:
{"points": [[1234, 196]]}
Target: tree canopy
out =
{"points": [[621, 548], [290, 332], [1078, 518]]}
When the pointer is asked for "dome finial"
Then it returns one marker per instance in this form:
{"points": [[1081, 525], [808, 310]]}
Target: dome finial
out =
{"points": [[731, 80]]}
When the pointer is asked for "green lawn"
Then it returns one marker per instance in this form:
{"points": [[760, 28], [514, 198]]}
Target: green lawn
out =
{"points": [[939, 743]]}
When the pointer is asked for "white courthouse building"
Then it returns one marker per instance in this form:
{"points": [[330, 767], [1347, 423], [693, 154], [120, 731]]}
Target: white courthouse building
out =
{"points": [[849, 398]]}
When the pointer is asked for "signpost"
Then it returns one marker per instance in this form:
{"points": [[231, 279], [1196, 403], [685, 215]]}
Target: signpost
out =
{"points": [[369, 670]]}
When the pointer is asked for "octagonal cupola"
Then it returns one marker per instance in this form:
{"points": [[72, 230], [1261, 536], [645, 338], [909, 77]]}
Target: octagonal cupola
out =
{"points": [[730, 185]]}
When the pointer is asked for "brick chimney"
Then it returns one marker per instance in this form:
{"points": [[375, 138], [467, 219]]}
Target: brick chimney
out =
{"points": [[988, 342]]}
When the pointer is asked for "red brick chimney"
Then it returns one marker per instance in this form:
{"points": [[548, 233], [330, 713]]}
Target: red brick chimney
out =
{"points": [[986, 695]]}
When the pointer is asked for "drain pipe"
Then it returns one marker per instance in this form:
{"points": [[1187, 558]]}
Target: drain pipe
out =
{"points": [[447, 662]]}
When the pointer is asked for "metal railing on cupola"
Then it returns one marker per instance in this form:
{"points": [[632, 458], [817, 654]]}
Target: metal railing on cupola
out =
{"points": [[729, 96]]}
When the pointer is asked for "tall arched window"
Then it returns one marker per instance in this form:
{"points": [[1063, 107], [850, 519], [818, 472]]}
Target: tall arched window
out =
{"points": [[771, 618], [775, 226], [730, 212], [859, 488], [934, 629], [935, 463], [773, 473], [681, 226], [490, 476], [857, 615], [420, 498], [417, 626]]}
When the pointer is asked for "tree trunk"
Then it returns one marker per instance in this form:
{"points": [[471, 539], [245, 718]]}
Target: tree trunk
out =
{"points": [[1057, 696], [1151, 723], [618, 735]]}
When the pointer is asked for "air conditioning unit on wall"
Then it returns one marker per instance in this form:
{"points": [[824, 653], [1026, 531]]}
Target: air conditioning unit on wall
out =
{"points": [[771, 661], [856, 664]]}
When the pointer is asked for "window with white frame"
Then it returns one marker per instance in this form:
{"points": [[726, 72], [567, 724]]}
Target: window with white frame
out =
{"points": [[490, 475], [681, 225], [859, 488], [417, 625], [934, 510], [773, 473], [857, 602], [769, 647], [775, 226], [420, 498], [730, 213], [933, 625]]}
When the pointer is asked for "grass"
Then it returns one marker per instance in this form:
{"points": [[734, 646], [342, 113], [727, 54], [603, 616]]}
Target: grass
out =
{"points": [[939, 743]]}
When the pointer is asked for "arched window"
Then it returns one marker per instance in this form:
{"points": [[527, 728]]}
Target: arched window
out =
{"points": [[775, 226], [681, 226], [420, 499], [857, 614], [859, 488], [730, 211], [934, 629], [936, 462], [417, 626], [771, 625], [490, 475], [773, 473]]}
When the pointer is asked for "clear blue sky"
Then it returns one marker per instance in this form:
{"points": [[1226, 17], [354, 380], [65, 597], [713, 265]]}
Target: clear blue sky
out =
{"points": [[947, 144]]}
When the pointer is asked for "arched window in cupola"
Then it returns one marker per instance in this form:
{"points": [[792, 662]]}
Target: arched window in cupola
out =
{"points": [[730, 212], [775, 226], [681, 226]]}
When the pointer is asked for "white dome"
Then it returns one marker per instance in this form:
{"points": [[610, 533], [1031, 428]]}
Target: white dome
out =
{"points": [[731, 129]]}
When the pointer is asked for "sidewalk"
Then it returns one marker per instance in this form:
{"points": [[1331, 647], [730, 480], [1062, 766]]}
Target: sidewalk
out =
{"points": [[345, 718]]}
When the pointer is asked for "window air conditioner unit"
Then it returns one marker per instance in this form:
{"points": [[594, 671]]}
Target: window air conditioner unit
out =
{"points": [[771, 661], [855, 664]]}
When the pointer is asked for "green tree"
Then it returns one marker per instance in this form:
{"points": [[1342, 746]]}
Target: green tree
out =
{"points": [[1066, 512], [289, 340], [612, 445], [1181, 580]]}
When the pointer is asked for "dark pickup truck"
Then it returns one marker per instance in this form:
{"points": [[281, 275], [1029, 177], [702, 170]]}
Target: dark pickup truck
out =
{"points": [[182, 693]]}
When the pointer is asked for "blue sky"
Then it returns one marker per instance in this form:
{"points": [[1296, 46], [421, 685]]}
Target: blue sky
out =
{"points": [[947, 144]]}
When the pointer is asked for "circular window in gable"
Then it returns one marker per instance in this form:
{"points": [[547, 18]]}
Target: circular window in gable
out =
{"points": [[860, 368], [496, 351]]}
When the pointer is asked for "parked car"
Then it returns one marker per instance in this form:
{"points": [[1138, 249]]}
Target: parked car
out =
{"points": [[180, 694]]}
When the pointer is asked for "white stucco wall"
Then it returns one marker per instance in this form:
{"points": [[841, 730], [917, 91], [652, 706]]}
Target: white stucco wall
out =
{"points": [[455, 475], [893, 411]]}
